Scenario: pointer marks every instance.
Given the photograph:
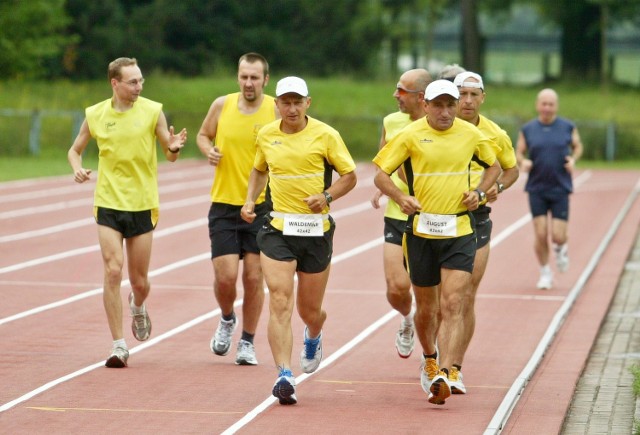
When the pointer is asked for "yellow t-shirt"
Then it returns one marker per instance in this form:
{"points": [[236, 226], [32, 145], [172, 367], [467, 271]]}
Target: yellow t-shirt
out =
{"points": [[505, 153], [438, 173], [127, 165], [236, 140], [393, 123], [300, 164]]}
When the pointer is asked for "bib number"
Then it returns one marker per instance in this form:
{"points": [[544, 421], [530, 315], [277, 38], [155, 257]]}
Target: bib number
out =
{"points": [[438, 224], [305, 225]]}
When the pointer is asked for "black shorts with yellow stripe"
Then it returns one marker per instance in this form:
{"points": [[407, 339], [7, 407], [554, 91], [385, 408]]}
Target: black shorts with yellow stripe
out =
{"points": [[127, 223]]}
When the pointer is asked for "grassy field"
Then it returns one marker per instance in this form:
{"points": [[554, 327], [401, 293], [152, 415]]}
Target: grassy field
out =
{"points": [[353, 106]]}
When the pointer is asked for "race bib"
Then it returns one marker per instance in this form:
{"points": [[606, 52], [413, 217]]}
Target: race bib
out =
{"points": [[306, 225], [438, 224]]}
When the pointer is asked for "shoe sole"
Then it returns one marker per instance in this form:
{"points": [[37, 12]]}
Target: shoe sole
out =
{"points": [[285, 392], [245, 362], [115, 363], [404, 356], [440, 392], [455, 390], [219, 353]]}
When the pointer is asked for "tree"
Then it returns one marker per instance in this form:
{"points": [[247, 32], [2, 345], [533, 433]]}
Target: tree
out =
{"points": [[31, 32]]}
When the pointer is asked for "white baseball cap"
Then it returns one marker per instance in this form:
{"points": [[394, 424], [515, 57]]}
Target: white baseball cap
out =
{"points": [[461, 80], [441, 87], [292, 84]]}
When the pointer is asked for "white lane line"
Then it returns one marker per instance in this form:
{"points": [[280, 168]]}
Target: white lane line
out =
{"points": [[158, 233], [93, 248], [97, 291], [326, 362], [47, 208], [512, 397], [74, 188], [185, 202], [346, 255]]}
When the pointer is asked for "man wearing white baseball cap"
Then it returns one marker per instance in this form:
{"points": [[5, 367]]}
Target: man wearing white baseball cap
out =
{"points": [[440, 243], [296, 155]]}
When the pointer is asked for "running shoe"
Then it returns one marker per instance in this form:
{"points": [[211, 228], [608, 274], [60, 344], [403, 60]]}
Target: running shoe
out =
{"points": [[140, 323], [562, 258], [285, 388], [246, 355], [118, 358], [221, 341], [405, 341], [439, 389], [546, 281], [455, 381], [311, 355], [428, 370]]}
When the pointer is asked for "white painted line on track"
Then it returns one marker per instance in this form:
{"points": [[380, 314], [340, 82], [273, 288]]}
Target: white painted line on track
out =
{"points": [[326, 362], [185, 202], [512, 397], [94, 248], [346, 255]]}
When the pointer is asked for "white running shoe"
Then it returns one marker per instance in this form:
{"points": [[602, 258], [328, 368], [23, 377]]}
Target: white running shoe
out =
{"points": [[140, 323], [546, 281], [405, 341], [440, 389], [562, 258], [311, 355], [118, 358], [246, 355], [455, 381], [221, 341], [428, 371], [285, 388]]}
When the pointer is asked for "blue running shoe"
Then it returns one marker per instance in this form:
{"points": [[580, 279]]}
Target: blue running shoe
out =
{"points": [[285, 388], [311, 355]]}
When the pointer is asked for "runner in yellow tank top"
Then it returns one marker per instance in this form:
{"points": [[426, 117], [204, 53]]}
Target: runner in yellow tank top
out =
{"points": [[409, 94], [125, 128], [227, 138]]}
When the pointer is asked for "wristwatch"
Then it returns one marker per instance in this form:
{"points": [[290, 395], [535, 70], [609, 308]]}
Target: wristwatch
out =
{"points": [[481, 196], [500, 186], [327, 197]]}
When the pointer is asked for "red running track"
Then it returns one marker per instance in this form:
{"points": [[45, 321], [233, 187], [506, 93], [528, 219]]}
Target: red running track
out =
{"points": [[527, 353]]}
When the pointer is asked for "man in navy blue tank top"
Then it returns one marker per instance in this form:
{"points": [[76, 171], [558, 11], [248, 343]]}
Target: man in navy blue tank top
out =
{"points": [[548, 148]]}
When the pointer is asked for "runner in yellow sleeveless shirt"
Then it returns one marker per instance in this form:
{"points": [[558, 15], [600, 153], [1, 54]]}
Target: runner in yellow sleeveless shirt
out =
{"points": [[126, 201], [227, 139], [409, 94]]}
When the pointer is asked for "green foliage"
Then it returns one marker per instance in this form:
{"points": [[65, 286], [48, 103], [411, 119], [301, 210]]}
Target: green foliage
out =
{"points": [[194, 37], [353, 106], [31, 32]]}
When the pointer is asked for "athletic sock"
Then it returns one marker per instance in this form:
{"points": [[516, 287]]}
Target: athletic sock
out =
{"points": [[458, 366], [119, 343], [136, 309], [247, 337], [408, 319], [229, 317], [433, 355]]}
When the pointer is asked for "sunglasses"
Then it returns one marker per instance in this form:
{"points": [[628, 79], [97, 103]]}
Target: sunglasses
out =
{"points": [[402, 91]]}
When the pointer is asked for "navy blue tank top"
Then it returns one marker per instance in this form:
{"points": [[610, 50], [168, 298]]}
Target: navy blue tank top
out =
{"points": [[548, 145]]}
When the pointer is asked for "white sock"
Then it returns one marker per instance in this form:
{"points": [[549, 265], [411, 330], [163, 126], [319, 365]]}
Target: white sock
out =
{"points": [[136, 309], [545, 269], [120, 343], [408, 319]]}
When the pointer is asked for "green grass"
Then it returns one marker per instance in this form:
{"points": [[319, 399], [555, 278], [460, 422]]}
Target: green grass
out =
{"points": [[635, 387], [352, 105]]}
